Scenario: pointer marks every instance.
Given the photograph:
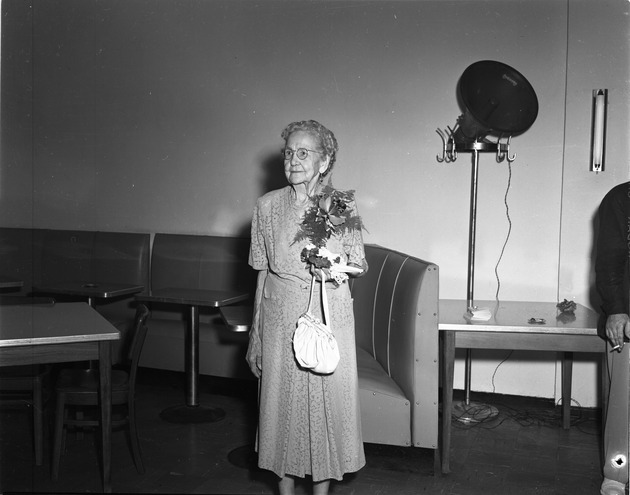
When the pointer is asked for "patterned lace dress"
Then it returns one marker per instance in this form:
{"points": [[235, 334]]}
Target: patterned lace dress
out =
{"points": [[309, 424]]}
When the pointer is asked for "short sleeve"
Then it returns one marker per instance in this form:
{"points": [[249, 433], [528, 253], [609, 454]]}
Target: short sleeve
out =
{"points": [[353, 240], [258, 252]]}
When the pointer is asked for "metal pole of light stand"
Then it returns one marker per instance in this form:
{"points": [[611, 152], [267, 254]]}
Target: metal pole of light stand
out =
{"points": [[472, 233], [467, 412]]}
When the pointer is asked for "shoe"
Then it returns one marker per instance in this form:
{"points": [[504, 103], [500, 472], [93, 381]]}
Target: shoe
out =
{"points": [[612, 487]]}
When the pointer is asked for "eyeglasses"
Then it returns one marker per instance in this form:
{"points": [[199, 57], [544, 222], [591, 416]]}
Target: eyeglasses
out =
{"points": [[301, 153]]}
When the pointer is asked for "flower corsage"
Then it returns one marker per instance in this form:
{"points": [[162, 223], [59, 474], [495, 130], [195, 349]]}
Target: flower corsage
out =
{"points": [[322, 258]]}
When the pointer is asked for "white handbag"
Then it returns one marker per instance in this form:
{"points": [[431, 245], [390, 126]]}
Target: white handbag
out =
{"points": [[314, 344]]}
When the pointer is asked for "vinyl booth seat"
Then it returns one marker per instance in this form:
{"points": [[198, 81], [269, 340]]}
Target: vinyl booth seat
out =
{"points": [[396, 325]]}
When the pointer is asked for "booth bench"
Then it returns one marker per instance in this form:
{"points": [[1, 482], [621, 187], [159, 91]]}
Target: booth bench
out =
{"points": [[396, 325]]}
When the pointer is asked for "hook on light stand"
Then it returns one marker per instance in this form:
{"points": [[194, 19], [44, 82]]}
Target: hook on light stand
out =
{"points": [[452, 145], [449, 153], [503, 150]]}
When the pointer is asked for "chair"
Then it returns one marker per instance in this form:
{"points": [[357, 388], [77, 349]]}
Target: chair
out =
{"points": [[25, 383], [80, 387]]}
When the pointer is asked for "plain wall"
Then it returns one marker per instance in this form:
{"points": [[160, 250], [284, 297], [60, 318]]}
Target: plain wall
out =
{"points": [[165, 116]]}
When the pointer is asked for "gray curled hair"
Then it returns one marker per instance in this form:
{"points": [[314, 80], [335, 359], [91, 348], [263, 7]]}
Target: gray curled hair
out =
{"points": [[326, 138]]}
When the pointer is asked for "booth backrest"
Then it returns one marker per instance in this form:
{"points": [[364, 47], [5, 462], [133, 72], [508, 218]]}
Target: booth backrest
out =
{"points": [[17, 248], [119, 257], [201, 262], [42, 256], [396, 322]]}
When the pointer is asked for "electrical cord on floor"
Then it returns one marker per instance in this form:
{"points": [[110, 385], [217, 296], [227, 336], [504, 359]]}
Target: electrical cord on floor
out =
{"points": [[539, 417]]}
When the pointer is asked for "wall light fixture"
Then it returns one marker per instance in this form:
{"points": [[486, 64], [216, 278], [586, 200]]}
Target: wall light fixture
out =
{"points": [[598, 130]]}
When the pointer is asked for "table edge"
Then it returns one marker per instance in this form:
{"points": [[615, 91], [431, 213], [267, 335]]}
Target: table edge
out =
{"points": [[74, 339]]}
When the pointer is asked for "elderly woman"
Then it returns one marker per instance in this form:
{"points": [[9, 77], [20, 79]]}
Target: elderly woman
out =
{"points": [[309, 423]]}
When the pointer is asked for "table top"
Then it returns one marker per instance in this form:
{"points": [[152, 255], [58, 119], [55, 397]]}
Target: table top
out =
{"points": [[60, 323], [194, 297], [10, 283], [514, 316], [90, 289]]}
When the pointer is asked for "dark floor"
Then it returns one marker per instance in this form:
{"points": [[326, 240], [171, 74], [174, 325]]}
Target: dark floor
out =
{"points": [[522, 451]]}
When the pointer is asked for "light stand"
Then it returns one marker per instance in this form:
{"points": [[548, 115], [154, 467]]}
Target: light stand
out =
{"points": [[497, 100], [467, 411]]}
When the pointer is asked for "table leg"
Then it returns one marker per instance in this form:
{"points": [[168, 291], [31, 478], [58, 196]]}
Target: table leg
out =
{"points": [[192, 358], [448, 373], [192, 412], [567, 377], [105, 378]]}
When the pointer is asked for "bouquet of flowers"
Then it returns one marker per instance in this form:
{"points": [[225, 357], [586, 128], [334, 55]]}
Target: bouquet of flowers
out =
{"points": [[328, 215]]}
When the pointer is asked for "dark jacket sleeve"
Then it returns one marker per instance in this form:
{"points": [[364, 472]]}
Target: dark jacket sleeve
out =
{"points": [[613, 250]]}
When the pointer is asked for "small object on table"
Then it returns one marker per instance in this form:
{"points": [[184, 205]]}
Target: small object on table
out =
{"points": [[536, 321], [567, 306], [478, 314], [567, 311]]}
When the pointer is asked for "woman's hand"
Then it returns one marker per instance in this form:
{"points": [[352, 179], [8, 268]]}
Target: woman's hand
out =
{"points": [[363, 267], [321, 274], [254, 355], [255, 364], [329, 274]]}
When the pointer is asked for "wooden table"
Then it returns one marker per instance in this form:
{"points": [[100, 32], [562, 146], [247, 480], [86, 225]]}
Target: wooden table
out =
{"points": [[60, 333], [509, 328], [193, 299], [91, 290]]}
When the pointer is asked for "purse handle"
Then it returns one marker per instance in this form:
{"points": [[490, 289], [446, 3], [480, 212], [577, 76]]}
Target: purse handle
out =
{"points": [[324, 297]]}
